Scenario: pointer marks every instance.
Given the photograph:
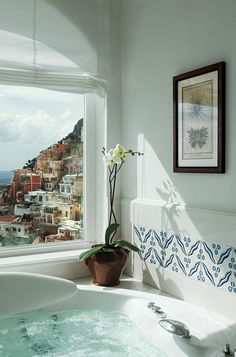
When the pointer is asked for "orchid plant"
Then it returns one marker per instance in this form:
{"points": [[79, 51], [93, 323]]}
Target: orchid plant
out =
{"points": [[114, 159]]}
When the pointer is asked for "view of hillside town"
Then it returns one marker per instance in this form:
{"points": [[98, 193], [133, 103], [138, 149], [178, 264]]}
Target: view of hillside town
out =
{"points": [[43, 202]]}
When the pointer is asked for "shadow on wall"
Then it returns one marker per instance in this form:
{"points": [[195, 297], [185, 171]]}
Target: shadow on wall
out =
{"points": [[170, 210], [155, 276], [155, 184]]}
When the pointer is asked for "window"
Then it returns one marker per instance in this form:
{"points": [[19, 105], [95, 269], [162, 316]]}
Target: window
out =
{"points": [[41, 140]]}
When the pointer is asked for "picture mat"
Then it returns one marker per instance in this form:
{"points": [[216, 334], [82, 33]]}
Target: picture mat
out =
{"points": [[207, 155]]}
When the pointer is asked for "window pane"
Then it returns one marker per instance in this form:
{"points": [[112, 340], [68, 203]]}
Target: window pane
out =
{"points": [[41, 166]]}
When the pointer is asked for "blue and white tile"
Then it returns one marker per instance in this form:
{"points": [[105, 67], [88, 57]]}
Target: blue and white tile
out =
{"points": [[187, 242], [224, 267], [210, 270], [141, 235], [158, 245], [195, 254], [192, 248], [151, 249], [160, 238], [181, 256], [232, 287], [231, 284], [170, 245], [209, 263], [170, 249], [175, 254]]}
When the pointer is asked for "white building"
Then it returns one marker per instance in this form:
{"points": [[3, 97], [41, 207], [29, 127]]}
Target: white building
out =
{"points": [[20, 230], [15, 227], [70, 184], [74, 227], [21, 209], [31, 196], [5, 221], [40, 197], [54, 212]]}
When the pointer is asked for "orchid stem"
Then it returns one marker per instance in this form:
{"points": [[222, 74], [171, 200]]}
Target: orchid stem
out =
{"points": [[114, 168]]}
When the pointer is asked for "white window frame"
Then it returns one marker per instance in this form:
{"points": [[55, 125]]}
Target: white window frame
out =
{"points": [[95, 217]]}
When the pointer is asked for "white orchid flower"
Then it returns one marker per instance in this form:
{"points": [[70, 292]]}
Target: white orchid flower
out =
{"points": [[109, 157], [119, 154], [120, 151], [116, 155]]}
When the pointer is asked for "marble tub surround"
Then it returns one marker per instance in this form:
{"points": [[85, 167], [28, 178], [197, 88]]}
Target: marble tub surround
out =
{"points": [[186, 252]]}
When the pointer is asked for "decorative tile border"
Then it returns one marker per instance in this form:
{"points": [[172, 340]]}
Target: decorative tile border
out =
{"points": [[213, 264]]}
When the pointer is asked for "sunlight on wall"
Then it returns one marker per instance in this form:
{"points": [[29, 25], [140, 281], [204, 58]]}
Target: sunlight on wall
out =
{"points": [[155, 188], [153, 180]]}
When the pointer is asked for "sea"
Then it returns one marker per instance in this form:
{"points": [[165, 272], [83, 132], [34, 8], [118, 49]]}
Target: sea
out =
{"points": [[5, 177]]}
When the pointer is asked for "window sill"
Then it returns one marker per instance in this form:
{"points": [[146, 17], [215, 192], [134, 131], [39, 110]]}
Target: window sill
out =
{"points": [[70, 256]]}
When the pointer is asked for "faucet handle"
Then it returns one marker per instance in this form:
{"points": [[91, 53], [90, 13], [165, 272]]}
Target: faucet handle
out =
{"points": [[151, 305], [156, 309]]}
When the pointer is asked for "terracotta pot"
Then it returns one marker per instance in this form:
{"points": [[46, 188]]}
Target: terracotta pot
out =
{"points": [[106, 268]]}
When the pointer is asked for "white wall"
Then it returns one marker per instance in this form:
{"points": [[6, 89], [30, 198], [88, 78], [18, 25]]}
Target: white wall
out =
{"points": [[160, 39]]}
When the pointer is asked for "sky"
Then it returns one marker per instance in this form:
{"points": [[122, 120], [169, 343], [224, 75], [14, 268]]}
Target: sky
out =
{"points": [[32, 119]]}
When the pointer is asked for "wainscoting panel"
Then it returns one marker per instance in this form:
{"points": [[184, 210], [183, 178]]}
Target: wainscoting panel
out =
{"points": [[189, 253]]}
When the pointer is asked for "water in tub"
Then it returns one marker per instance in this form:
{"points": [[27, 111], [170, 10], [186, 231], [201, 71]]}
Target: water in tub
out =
{"points": [[73, 333]]}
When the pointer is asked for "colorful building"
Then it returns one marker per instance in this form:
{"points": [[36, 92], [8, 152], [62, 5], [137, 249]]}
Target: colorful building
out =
{"points": [[61, 148], [23, 182]]}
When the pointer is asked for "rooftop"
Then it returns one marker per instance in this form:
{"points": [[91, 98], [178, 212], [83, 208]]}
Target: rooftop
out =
{"points": [[7, 218]]}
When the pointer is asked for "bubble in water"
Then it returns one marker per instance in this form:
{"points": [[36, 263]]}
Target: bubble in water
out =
{"points": [[73, 333], [42, 347]]}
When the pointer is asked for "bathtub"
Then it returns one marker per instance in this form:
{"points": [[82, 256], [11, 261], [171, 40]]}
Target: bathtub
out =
{"points": [[23, 292]]}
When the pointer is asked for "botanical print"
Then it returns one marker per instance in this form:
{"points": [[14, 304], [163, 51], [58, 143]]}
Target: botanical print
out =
{"points": [[197, 121], [199, 102], [198, 137]]}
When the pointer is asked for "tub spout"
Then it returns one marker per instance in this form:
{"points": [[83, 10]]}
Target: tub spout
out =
{"points": [[175, 327]]}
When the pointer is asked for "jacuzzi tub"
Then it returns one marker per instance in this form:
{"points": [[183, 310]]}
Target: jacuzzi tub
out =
{"points": [[21, 292]]}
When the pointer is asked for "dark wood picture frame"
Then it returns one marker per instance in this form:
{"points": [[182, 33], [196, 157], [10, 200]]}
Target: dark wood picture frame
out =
{"points": [[199, 120]]}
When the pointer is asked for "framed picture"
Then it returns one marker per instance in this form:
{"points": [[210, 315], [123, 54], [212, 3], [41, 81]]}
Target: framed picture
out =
{"points": [[199, 120]]}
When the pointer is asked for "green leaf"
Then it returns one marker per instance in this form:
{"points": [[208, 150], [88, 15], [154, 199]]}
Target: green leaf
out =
{"points": [[126, 245], [90, 252], [105, 249], [110, 229]]}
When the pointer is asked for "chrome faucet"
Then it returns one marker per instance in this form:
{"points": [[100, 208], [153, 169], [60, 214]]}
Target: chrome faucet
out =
{"points": [[175, 327]]}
